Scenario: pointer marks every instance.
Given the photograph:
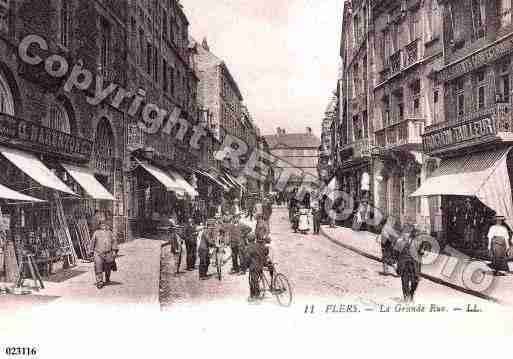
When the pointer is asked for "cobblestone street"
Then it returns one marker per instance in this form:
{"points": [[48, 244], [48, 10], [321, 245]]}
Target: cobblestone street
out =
{"points": [[319, 271]]}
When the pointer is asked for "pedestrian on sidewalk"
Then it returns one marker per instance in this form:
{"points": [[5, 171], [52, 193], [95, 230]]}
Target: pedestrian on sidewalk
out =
{"points": [[207, 241], [498, 245], [237, 231], [105, 249], [190, 244], [388, 238], [316, 216]]}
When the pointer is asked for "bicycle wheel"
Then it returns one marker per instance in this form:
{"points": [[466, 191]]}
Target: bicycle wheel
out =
{"points": [[178, 258], [282, 290]]}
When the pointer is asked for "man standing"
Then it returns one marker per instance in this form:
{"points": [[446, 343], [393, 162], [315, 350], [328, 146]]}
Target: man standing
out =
{"points": [[267, 209], [105, 248], [498, 245], [190, 244], [207, 240], [257, 254], [237, 232], [316, 214]]}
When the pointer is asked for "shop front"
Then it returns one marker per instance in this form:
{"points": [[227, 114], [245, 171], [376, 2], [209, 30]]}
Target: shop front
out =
{"points": [[50, 165], [473, 183]]}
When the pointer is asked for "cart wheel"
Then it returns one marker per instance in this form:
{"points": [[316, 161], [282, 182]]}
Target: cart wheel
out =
{"points": [[282, 290]]}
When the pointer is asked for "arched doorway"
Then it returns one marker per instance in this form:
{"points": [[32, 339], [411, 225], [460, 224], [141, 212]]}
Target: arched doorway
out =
{"points": [[6, 98], [57, 118]]}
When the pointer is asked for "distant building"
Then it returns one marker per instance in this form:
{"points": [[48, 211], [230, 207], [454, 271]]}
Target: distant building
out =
{"points": [[298, 152]]}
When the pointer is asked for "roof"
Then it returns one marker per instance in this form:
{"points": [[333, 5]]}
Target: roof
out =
{"points": [[209, 60], [293, 140]]}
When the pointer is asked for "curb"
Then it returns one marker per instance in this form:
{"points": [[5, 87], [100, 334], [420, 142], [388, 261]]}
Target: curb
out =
{"points": [[423, 275]]}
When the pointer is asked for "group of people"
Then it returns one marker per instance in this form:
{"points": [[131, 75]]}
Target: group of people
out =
{"points": [[305, 214]]}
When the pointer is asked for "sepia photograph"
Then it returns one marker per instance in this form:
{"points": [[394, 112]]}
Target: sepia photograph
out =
{"points": [[248, 178]]}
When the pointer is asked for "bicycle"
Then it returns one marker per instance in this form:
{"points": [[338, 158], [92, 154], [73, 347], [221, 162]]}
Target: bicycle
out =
{"points": [[280, 287]]}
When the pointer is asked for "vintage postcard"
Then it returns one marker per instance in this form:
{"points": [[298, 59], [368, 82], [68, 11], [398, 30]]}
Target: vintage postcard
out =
{"points": [[246, 178]]}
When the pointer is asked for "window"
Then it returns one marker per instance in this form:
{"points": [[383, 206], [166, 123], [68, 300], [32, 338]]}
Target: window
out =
{"points": [[504, 12], [418, 199], [65, 23], [399, 103], [356, 29], [105, 39], [386, 111], [6, 99], [460, 97], [403, 195], [414, 26], [436, 112], [357, 128], [133, 35], [148, 57], [433, 20], [365, 132], [416, 97], [165, 31], [57, 118], [504, 78], [165, 79], [142, 45], [481, 89], [449, 21], [395, 38], [478, 18], [155, 65], [172, 80]]}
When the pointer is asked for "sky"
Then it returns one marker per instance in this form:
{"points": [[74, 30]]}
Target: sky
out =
{"points": [[284, 54]]}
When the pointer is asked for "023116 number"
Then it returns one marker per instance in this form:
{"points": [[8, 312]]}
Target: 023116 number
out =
{"points": [[25, 351]]}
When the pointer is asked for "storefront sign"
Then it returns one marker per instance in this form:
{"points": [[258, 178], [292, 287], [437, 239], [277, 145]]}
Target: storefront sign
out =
{"points": [[476, 60], [42, 139], [459, 133]]}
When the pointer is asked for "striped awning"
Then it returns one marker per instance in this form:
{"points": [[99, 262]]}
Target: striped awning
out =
{"points": [[483, 175], [213, 179]]}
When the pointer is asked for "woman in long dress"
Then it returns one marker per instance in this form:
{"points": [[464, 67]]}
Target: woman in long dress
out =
{"points": [[304, 221], [498, 245]]}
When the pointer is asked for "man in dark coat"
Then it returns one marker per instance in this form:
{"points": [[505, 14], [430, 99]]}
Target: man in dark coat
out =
{"points": [[257, 253], [190, 244], [237, 232], [207, 241], [267, 209], [105, 249]]}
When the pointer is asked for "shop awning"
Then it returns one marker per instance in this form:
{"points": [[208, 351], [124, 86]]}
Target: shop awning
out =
{"points": [[88, 182], [7, 193], [34, 168], [184, 184], [483, 175], [213, 179], [166, 180]]}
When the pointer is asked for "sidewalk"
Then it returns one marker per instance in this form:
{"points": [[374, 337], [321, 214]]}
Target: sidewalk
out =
{"points": [[135, 283], [454, 270]]}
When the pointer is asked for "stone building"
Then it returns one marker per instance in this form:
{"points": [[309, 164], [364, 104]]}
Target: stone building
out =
{"points": [[354, 168], [408, 50], [296, 156], [327, 150], [159, 64], [219, 95], [53, 131], [472, 139]]}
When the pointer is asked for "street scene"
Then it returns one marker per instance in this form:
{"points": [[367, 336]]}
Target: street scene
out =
{"points": [[215, 160]]}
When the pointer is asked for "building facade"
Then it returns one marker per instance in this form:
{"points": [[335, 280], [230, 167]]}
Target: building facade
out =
{"points": [[354, 168], [327, 150], [408, 50], [220, 97], [296, 156], [472, 138], [159, 64]]}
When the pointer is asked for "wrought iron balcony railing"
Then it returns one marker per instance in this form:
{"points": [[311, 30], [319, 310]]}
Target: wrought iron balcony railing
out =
{"points": [[406, 133]]}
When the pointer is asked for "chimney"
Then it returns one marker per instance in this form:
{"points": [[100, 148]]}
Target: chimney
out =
{"points": [[309, 131], [204, 44]]}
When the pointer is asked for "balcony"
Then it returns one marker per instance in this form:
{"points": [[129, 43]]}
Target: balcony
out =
{"points": [[411, 55], [359, 148], [406, 134], [491, 124], [395, 63]]}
